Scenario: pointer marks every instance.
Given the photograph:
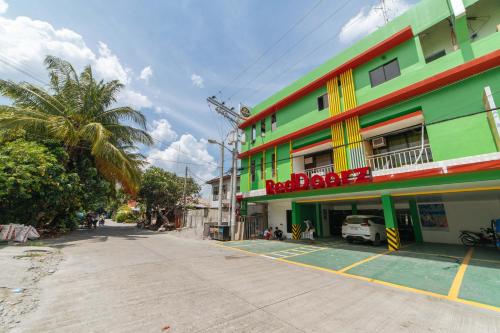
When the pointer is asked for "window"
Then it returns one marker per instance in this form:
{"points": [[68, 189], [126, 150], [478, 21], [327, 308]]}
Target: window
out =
{"points": [[224, 192], [254, 133], [274, 125], [322, 102], [261, 168], [273, 166], [252, 170], [215, 193], [385, 73], [263, 127]]}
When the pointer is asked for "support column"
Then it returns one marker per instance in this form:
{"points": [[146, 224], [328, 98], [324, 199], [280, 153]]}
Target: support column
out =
{"points": [[391, 223], [415, 221], [319, 220], [296, 225]]}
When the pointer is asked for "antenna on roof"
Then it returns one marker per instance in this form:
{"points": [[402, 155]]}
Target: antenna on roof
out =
{"points": [[385, 11]]}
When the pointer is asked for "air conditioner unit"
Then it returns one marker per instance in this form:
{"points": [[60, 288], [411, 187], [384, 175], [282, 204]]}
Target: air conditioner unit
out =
{"points": [[379, 142]]}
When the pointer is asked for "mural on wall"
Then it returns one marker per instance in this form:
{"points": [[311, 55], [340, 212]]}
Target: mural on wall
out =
{"points": [[433, 216]]}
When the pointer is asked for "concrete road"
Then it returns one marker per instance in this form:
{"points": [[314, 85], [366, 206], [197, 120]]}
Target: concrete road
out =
{"points": [[117, 279]]}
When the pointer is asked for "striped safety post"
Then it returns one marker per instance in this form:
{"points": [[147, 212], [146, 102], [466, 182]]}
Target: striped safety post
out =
{"points": [[296, 231], [393, 239]]}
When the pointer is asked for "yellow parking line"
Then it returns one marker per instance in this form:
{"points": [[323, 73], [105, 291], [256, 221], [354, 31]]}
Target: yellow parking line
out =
{"points": [[363, 261], [389, 284], [299, 254], [457, 282]]}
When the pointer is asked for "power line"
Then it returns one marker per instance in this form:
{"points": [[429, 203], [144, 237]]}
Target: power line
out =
{"points": [[10, 63], [308, 55], [290, 48], [273, 45]]}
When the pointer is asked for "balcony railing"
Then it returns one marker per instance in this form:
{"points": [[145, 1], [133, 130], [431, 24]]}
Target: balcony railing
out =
{"points": [[319, 170], [400, 158]]}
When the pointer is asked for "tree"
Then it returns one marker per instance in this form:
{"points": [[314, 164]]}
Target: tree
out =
{"points": [[35, 188], [162, 189], [77, 111]]}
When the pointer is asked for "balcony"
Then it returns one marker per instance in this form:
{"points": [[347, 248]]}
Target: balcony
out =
{"points": [[400, 158], [322, 171]]}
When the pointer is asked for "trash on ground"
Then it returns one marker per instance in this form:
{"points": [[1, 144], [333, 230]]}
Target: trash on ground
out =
{"points": [[18, 233]]}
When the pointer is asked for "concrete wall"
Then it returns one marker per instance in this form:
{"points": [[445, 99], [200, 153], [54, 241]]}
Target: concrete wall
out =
{"points": [[277, 215], [463, 215]]}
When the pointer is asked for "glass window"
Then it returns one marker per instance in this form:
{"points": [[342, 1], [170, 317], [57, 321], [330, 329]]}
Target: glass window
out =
{"points": [[385, 73], [377, 76], [391, 70], [274, 125], [252, 170], [254, 133], [263, 127], [322, 102]]}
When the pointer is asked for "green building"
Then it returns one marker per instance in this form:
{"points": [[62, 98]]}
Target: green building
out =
{"points": [[403, 124]]}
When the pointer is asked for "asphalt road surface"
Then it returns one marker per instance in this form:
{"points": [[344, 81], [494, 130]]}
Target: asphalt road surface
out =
{"points": [[119, 279]]}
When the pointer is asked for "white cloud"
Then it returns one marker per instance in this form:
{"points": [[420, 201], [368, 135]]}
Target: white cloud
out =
{"points": [[134, 99], [146, 73], [370, 19], [25, 43], [186, 150], [162, 131], [197, 80], [109, 67], [3, 6]]}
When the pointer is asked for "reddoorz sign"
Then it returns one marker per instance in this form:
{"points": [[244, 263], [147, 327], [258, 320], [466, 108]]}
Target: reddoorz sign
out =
{"points": [[302, 182]]}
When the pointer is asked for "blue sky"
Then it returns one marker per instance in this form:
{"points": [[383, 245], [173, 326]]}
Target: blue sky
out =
{"points": [[174, 54]]}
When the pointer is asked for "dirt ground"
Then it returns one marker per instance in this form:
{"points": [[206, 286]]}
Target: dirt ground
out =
{"points": [[22, 269]]}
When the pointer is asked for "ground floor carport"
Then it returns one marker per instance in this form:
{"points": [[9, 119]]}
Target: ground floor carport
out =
{"points": [[435, 213], [447, 271]]}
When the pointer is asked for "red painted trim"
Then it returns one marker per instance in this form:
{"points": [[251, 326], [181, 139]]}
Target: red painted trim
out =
{"points": [[374, 51], [476, 66], [311, 145], [392, 121], [469, 167]]}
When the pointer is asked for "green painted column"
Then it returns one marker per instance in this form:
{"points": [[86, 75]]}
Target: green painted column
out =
{"points": [[391, 223], [296, 223], [415, 221], [354, 208], [319, 220]]}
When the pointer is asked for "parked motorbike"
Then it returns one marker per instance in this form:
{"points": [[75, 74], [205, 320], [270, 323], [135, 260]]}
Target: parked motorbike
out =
{"points": [[473, 238]]}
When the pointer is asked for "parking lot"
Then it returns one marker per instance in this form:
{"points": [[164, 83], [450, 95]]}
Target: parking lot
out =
{"points": [[452, 272]]}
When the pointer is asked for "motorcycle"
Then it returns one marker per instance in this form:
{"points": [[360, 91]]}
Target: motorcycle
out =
{"points": [[473, 238]]}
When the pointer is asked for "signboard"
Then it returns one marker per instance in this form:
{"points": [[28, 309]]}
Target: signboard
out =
{"points": [[302, 182], [433, 216]]}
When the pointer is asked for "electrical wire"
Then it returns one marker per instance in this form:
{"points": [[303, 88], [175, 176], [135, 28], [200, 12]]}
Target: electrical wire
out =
{"points": [[272, 45], [290, 48]]}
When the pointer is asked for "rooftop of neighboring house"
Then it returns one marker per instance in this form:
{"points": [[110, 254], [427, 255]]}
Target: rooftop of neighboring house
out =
{"points": [[216, 180]]}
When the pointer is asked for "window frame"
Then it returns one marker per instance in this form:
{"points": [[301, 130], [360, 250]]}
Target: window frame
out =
{"points": [[253, 133], [324, 102], [274, 122], [384, 72], [252, 170], [263, 127]]}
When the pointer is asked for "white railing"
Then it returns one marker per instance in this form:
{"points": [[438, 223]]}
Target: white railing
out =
{"points": [[319, 170], [399, 158]]}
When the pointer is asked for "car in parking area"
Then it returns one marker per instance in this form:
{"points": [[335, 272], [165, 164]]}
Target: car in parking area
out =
{"points": [[364, 228]]}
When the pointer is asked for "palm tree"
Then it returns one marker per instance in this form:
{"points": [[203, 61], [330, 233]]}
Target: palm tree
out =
{"points": [[77, 110]]}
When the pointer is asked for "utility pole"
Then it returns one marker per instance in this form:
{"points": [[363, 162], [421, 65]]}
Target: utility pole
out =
{"points": [[234, 117], [184, 213], [385, 11], [221, 180]]}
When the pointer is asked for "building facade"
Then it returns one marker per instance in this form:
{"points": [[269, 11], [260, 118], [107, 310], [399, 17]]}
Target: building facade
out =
{"points": [[225, 192], [402, 124]]}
